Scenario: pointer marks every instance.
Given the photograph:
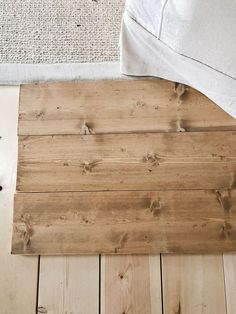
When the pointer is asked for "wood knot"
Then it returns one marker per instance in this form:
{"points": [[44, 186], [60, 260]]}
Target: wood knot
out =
{"points": [[122, 241], [25, 230], [224, 199], [140, 103], [86, 129], [155, 207], [121, 276], [179, 127], [87, 221], [88, 166], [225, 230], [180, 90], [178, 310], [39, 115], [42, 310], [152, 159]]}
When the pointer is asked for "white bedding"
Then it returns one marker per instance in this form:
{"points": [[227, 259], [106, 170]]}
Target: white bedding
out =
{"points": [[189, 41]]}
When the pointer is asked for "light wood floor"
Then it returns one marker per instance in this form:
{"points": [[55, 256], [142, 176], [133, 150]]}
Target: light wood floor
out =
{"points": [[170, 284]]}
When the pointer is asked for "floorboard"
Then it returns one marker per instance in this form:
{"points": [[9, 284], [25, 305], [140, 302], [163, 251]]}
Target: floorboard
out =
{"points": [[131, 285], [148, 161], [69, 284], [193, 284], [117, 107], [191, 221], [230, 282], [18, 275]]}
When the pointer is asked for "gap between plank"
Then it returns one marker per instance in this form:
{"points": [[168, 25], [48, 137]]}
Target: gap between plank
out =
{"points": [[100, 284], [37, 289], [162, 288], [122, 133], [226, 303], [115, 191]]}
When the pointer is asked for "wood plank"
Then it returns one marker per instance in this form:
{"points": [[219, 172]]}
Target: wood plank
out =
{"points": [[69, 284], [125, 222], [205, 160], [116, 107], [131, 284], [18, 275], [193, 284], [147, 106], [230, 281]]}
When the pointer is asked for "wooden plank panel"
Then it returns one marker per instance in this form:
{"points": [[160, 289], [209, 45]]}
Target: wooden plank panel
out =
{"points": [[193, 284], [69, 284], [18, 274], [125, 222], [131, 284], [148, 161], [117, 106], [230, 281]]}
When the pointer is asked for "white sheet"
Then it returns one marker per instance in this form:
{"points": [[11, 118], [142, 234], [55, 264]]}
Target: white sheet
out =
{"points": [[189, 41]]}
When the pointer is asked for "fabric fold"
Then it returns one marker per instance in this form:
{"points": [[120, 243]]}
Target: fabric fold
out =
{"points": [[143, 53]]}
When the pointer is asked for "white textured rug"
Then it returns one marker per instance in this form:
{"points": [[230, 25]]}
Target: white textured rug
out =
{"points": [[59, 31]]}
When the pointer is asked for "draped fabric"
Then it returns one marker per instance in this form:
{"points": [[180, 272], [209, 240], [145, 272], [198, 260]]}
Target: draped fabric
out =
{"points": [[189, 41]]}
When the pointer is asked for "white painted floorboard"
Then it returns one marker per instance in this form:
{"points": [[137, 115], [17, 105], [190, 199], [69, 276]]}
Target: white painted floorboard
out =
{"points": [[18, 275], [69, 284]]}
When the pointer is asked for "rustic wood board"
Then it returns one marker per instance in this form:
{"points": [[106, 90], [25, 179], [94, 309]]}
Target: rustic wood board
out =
{"points": [[148, 161], [184, 286], [193, 284], [132, 144], [116, 107], [131, 284], [125, 222]]}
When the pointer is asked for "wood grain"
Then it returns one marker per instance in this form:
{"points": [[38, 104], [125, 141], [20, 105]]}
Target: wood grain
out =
{"points": [[131, 284], [205, 160], [230, 281], [117, 106], [193, 284], [18, 274], [125, 222], [69, 284]]}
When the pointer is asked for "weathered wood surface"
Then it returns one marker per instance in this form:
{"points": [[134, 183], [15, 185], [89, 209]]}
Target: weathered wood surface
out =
{"points": [[131, 284], [197, 283], [193, 284], [205, 160], [116, 107], [125, 222], [69, 284]]}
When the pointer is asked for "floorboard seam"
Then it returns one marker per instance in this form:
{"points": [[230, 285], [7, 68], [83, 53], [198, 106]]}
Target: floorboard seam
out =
{"points": [[226, 303], [37, 289], [100, 283], [162, 288]]}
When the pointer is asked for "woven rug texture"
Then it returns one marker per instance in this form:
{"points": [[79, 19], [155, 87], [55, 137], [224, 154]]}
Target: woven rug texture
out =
{"points": [[59, 31]]}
